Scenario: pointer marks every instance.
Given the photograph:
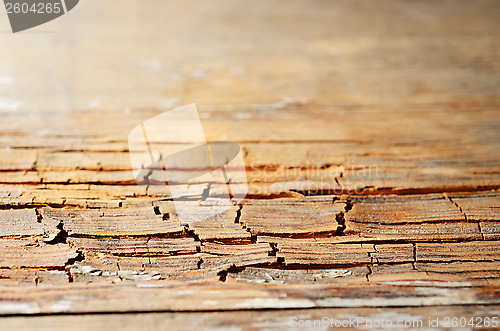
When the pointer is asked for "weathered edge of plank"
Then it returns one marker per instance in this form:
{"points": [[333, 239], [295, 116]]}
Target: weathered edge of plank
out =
{"points": [[415, 317], [172, 296]]}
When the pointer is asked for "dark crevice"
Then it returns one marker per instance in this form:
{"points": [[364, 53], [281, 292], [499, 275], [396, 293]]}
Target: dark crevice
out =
{"points": [[281, 262], [70, 262], [38, 215], [480, 230], [79, 257], [70, 276], [232, 269], [30, 205], [348, 205], [320, 192], [200, 262], [237, 220], [61, 237], [370, 265], [238, 214], [369, 272], [156, 209], [274, 249], [456, 204], [341, 224], [191, 233], [340, 218], [222, 275]]}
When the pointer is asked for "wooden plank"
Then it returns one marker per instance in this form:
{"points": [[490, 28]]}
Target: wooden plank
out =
{"points": [[480, 206], [63, 144], [9, 277], [12, 196], [20, 177], [17, 159], [119, 177], [140, 260], [400, 101], [401, 274], [415, 317], [226, 231], [490, 230], [27, 253], [416, 177], [32, 277], [87, 160], [409, 218], [22, 222], [164, 296], [417, 232], [404, 210], [463, 251], [136, 246], [113, 222], [222, 264], [292, 218], [309, 252], [222, 249], [108, 269], [365, 167]]}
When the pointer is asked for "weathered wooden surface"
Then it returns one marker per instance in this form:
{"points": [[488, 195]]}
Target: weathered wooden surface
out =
{"points": [[370, 133]]}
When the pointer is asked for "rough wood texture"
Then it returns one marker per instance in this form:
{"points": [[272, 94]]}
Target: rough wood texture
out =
{"points": [[113, 222], [31, 254], [21, 222], [295, 218], [370, 133]]}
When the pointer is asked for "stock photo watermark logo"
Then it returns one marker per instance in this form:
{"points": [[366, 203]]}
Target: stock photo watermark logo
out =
{"points": [[203, 179], [27, 14]]}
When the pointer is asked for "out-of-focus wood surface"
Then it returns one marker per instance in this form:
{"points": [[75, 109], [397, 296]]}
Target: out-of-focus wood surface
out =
{"points": [[370, 132]]}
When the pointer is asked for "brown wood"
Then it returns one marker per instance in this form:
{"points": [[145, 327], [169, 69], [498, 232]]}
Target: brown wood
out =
{"points": [[370, 134], [32, 254], [255, 320], [114, 222], [292, 218]]}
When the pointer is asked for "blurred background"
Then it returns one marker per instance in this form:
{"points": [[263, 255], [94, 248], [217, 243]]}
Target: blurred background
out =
{"points": [[159, 54]]}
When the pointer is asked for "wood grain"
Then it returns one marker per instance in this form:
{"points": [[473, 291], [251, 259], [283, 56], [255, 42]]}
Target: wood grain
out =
{"points": [[369, 133]]}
